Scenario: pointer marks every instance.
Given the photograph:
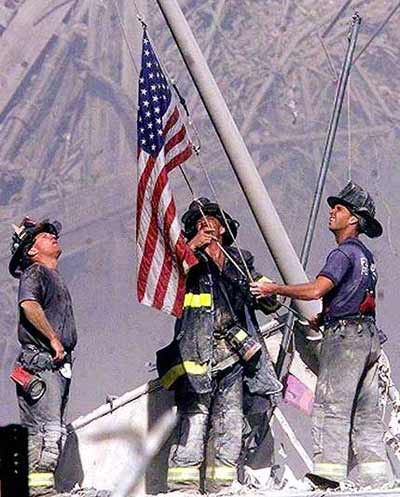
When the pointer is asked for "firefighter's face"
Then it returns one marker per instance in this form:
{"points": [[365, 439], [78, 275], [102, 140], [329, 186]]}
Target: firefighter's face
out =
{"points": [[211, 223], [46, 244], [340, 217]]}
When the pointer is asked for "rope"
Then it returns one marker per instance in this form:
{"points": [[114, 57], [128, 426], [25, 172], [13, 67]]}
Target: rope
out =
{"points": [[138, 13], [313, 21], [377, 31], [328, 57], [170, 80], [130, 51], [216, 197], [336, 18], [125, 35], [196, 150], [182, 101], [246, 273], [248, 276], [349, 142]]}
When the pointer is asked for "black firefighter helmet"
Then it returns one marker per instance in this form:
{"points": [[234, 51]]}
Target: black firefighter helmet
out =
{"points": [[203, 206], [360, 203], [23, 239]]}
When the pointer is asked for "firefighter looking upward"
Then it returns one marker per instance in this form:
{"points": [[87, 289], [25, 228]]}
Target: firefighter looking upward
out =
{"points": [[346, 402], [217, 355], [47, 333]]}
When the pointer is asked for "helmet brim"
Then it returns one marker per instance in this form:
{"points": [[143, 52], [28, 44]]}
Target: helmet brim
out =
{"points": [[372, 228], [15, 262], [14, 266], [192, 216]]}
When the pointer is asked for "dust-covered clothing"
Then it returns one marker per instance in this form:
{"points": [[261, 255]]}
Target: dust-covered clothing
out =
{"points": [[45, 420], [346, 411], [209, 423], [200, 364], [189, 356], [46, 286], [45, 417]]}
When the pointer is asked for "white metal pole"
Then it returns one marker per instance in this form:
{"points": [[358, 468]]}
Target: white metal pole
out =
{"points": [[254, 190]]}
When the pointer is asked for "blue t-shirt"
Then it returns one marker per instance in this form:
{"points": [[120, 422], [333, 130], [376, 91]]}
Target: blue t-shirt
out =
{"points": [[351, 269]]}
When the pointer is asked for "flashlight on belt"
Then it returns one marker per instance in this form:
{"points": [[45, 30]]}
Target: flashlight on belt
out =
{"points": [[31, 384]]}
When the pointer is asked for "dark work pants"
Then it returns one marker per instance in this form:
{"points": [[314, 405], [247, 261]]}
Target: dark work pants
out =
{"points": [[346, 410], [211, 424], [45, 422]]}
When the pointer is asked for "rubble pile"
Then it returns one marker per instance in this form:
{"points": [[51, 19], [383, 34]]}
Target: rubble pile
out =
{"points": [[86, 492]]}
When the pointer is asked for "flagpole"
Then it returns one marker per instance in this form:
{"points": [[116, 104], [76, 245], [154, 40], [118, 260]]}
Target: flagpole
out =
{"points": [[246, 172], [330, 140]]}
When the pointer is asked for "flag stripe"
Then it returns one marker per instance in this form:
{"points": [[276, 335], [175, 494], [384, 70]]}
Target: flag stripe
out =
{"points": [[153, 229], [175, 140], [142, 185], [178, 159], [165, 274], [150, 165], [163, 144], [172, 120], [152, 232]]}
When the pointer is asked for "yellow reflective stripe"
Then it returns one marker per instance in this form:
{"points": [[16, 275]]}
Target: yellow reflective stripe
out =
{"points": [[241, 335], [186, 367], [184, 474], [335, 471], [41, 479], [226, 473], [372, 468], [197, 300]]}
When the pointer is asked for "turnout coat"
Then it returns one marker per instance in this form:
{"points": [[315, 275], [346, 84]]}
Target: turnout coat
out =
{"points": [[188, 361]]}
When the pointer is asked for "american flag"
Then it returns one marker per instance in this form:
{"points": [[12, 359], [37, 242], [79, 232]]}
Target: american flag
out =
{"points": [[163, 145]]}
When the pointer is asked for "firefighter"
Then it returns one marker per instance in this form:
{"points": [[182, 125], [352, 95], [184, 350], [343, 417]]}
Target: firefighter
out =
{"points": [[217, 356], [346, 413], [47, 334]]}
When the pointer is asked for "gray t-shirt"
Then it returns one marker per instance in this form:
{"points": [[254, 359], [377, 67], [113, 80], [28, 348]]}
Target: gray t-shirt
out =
{"points": [[351, 268], [47, 287]]}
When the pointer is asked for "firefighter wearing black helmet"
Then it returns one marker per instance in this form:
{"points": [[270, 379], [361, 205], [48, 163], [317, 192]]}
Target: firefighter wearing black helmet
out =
{"points": [[346, 412], [47, 333], [217, 360]]}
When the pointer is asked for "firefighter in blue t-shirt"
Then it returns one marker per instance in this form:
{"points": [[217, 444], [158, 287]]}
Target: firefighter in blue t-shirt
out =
{"points": [[346, 410]]}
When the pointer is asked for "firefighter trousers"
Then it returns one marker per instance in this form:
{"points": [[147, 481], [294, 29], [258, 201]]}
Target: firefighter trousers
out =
{"points": [[346, 415], [209, 435], [45, 422]]}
